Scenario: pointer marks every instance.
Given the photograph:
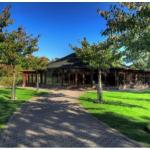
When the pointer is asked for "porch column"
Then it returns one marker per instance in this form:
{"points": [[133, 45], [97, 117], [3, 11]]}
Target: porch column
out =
{"points": [[124, 83], [57, 77], [136, 77], [35, 77], [45, 78], [83, 78], [32, 78], [69, 79], [144, 78], [24, 80], [76, 79], [116, 78], [62, 78], [105, 78], [27, 78], [41, 77], [91, 76]]}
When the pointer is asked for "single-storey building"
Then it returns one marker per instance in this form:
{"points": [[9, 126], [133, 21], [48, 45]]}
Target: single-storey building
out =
{"points": [[70, 71]]}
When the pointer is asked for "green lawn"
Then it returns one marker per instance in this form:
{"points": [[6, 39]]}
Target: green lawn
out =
{"points": [[128, 112], [7, 106]]}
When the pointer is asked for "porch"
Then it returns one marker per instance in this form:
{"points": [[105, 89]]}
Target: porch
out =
{"points": [[61, 77]]}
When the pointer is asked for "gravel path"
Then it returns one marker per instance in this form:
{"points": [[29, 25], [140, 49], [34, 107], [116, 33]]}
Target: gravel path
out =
{"points": [[57, 120]]}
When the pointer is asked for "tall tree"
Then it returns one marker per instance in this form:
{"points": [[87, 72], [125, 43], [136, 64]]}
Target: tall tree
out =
{"points": [[38, 64], [128, 25], [16, 45], [5, 19], [100, 57]]}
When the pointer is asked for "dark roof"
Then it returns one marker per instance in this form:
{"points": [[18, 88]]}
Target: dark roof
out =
{"points": [[69, 61], [72, 61]]}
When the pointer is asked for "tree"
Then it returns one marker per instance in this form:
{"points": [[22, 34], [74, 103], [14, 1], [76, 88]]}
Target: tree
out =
{"points": [[14, 46], [98, 56], [128, 25], [37, 64], [6, 75], [5, 20]]}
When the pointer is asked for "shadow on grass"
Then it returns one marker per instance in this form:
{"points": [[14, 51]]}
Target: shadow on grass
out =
{"points": [[147, 118], [117, 103], [57, 123], [134, 129], [5, 91], [7, 107], [131, 128]]}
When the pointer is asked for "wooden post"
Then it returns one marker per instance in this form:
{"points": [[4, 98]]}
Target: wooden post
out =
{"points": [[105, 76], [62, 78], [83, 78], [32, 78], [144, 78], [41, 77], [116, 78], [76, 79], [24, 80], [91, 76], [35, 77], [68, 78], [27, 78], [124, 82], [52, 77], [57, 77]]}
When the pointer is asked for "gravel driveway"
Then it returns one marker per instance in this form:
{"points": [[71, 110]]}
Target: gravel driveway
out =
{"points": [[57, 120]]}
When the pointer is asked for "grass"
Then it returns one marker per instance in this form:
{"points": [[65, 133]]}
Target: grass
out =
{"points": [[8, 106], [128, 112]]}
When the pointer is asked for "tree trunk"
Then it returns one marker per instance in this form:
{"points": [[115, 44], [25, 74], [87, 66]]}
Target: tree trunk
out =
{"points": [[99, 87], [37, 81], [13, 94]]}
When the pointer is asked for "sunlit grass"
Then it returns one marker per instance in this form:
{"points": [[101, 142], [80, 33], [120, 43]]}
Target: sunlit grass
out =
{"points": [[8, 106], [129, 112]]}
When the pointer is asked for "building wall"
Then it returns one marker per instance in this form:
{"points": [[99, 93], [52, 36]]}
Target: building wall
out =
{"points": [[115, 78]]}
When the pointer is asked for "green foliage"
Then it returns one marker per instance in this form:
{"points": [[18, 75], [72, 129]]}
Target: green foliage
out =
{"points": [[127, 111], [128, 25], [98, 55], [16, 46], [36, 63], [5, 20]]}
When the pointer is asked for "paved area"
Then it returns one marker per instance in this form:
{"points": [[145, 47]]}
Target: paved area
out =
{"points": [[57, 120]]}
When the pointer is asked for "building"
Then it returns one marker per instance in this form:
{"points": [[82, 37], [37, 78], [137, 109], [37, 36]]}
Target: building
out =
{"points": [[70, 71]]}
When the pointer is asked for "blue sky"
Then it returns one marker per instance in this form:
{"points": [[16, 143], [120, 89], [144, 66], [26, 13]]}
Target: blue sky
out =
{"points": [[59, 24]]}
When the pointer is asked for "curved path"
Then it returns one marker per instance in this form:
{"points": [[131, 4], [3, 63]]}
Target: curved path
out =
{"points": [[57, 120]]}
